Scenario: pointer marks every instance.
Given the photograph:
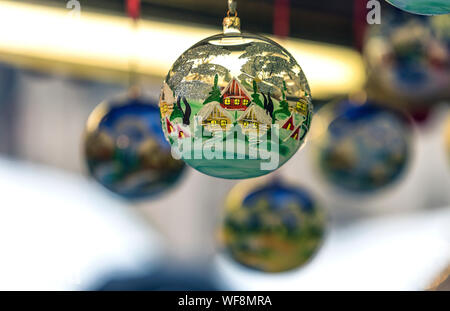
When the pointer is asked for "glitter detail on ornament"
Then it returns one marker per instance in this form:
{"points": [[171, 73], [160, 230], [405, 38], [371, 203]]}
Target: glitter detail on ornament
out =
{"points": [[125, 149], [231, 95], [272, 226]]}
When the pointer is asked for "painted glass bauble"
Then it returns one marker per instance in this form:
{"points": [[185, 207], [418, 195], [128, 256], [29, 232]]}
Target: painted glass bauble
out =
{"points": [[365, 146], [272, 227], [408, 59], [125, 149], [236, 106], [424, 7]]}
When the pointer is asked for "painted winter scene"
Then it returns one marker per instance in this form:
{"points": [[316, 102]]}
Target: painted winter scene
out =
{"points": [[256, 98]]}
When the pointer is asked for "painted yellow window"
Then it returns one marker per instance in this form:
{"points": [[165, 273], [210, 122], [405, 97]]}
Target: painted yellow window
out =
{"points": [[255, 125], [237, 102], [164, 108], [227, 101], [301, 106], [245, 124], [223, 122], [213, 122], [245, 102]]}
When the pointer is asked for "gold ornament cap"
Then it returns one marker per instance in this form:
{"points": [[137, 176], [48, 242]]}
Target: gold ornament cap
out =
{"points": [[231, 25]]}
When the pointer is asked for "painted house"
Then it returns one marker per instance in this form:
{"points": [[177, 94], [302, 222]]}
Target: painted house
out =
{"points": [[213, 117], [166, 101], [235, 96], [169, 126], [289, 124], [182, 132], [296, 134], [301, 107], [254, 119]]}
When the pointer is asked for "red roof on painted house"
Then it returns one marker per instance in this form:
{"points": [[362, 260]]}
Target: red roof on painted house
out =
{"points": [[235, 89], [169, 126], [289, 122], [296, 133]]}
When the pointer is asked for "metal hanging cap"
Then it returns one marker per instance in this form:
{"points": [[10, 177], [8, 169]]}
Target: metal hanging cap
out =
{"points": [[232, 24]]}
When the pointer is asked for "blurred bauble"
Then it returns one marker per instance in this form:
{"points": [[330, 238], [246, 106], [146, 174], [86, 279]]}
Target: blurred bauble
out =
{"points": [[364, 146], [8, 84], [162, 278], [222, 97], [442, 282], [408, 59], [424, 7], [125, 149], [272, 227]]}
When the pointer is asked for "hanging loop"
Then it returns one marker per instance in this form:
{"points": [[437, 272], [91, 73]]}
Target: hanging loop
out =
{"points": [[232, 4]]}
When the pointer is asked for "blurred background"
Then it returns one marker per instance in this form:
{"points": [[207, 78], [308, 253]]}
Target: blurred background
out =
{"points": [[61, 230]]}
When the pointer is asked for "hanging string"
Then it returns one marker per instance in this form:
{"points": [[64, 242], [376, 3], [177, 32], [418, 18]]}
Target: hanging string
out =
{"points": [[232, 6], [133, 8], [359, 23], [282, 18]]}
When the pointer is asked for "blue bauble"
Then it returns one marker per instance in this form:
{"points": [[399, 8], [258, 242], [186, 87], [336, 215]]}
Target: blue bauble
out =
{"points": [[365, 147], [272, 227], [126, 151]]}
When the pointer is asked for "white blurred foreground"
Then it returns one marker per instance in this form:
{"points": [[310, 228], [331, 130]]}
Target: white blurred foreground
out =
{"points": [[58, 233]]}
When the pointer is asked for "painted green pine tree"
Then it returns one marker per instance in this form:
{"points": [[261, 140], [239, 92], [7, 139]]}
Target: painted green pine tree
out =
{"points": [[255, 95], [177, 113], [215, 94], [284, 105]]}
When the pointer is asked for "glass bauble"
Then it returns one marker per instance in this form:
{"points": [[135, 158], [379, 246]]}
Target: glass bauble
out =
{"points": [[408, 58], [272, 227], [236, 106], [125, 149], [365, 146], [425, 7]]}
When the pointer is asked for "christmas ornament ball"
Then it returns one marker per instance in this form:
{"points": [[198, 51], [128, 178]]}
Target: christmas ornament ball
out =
{"points": [[272, 226], [236, 106], [408, 59], [365, 146], [125, 149]]}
